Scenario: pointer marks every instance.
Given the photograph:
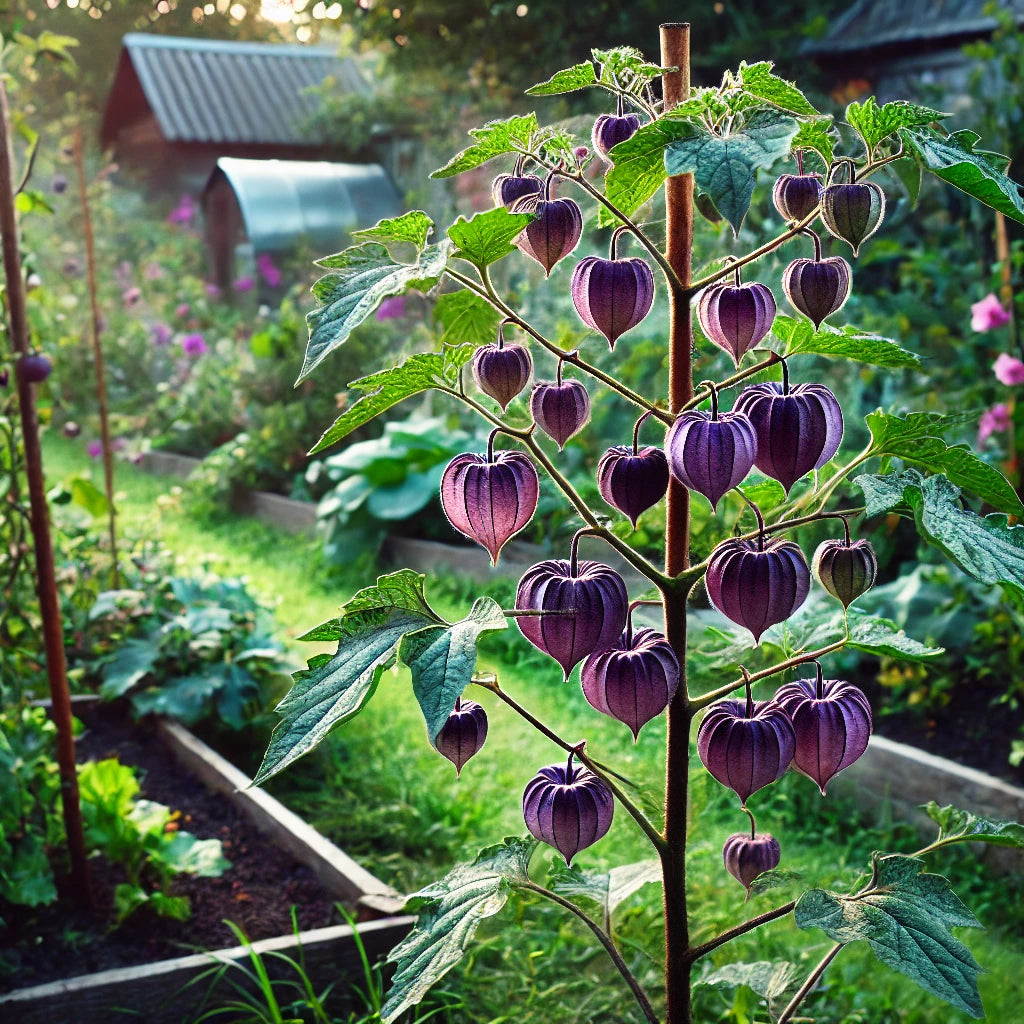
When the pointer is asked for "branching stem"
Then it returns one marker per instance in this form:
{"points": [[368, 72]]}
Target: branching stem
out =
{"points": [[812, 980]]}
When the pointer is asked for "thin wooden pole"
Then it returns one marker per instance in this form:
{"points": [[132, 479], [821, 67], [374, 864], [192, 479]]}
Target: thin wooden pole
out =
{"points": [[675, 52], [97, 354], [49, 605]]}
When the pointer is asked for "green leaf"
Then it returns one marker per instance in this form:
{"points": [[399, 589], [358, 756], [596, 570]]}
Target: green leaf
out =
{"points": [[638, 169], [451, 911], [884, 639], [133, 661], [361, 277], [87, 495], [905, 916], [26, 877], [957, 826], [758, 80], [568, 80], [979, 173], [608, 889], [418, 373], [911, 438], [817, 135], [183, 853], [725, 167], [767, 980], [874, 123], [442, 658], [765, 493], [467, 318], [494, 139], [799, 337], [487, 237], [626, 59], [910, 174], [413, 227]]}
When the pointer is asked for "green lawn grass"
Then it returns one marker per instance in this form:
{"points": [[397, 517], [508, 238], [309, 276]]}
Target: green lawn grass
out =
{"points": [[378, 789]]}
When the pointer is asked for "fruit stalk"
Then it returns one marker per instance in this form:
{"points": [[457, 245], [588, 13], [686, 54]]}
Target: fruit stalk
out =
{"points": [[675, 53], [49, 603]]}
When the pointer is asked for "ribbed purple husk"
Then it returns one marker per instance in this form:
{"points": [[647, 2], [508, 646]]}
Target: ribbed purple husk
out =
{"points": [[853, 212], [632, 483], [747, 856], [612, 296], [489, 502], [502, 373], [567, 812], [711, 456], [553, 233], [797, 195], [507, 188], [736, 317], [757, 589], [746, 754], [611, 129], [797, 432], [561, 410], [817, 288], [463, 734], [831, 732], [632, 683], [844, 571], [598, 595]]}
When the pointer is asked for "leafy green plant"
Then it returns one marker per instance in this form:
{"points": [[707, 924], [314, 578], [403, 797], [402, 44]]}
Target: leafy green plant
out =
{"points": [[143, 838]]}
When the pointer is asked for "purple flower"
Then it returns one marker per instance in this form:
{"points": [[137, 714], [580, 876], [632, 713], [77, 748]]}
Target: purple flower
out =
{"points": [[193, 345], [1008, 370], [265, 265], [183, 311], [245, 284], [212, 290], [993, 421], [160, 334], [183, 212], [130, 296], [95, 449], [988, 314], [391, 309]]}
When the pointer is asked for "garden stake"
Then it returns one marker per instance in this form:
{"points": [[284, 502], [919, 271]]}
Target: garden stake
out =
{"points": [[49, 603]]}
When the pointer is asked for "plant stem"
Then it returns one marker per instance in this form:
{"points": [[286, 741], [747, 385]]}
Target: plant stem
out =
{"points": [[741, 929], [675, 52], [97, 353], [812, 980], [605, 940], [49, 602]]}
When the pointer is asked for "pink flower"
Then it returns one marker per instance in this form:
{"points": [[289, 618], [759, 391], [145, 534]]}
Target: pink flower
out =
{"points": [[130, 296], [193, 345], [212, 290], [993, 421], [160, 334], [1008, 370], [265, 265], [245, 284], [183, 212], [95, 449], [988, 314], [183, 311], [391, 309]]}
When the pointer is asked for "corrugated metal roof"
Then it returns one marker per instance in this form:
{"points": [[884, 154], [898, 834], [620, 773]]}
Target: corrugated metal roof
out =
{"points": [[286, 202], [211, 90], [869, 24]]}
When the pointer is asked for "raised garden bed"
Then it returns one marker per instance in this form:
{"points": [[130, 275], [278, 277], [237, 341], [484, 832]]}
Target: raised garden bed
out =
{"points": [[277, 862]]}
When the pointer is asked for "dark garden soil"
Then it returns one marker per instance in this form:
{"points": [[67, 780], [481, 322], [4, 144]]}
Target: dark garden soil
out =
{"points": [[257, 892]]}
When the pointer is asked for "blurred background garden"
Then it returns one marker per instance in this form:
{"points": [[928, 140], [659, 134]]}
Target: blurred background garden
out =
{"points": [[213, 152]]}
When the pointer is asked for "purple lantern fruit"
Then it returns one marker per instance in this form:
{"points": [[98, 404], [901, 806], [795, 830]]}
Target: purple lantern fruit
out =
{"points": [[832, 722], [747, 856], [72, 429], [711, 453], [4, 377], [463, 734], [612, 296], [34, 369], [568, 807], [736, 317], [611, 129], [746, 745], [797, 195], [632, 480], [59, 184], [502, 371], [757, 583], [560, 409], [555, 229], [587, 605], [817, 288], [635, 680], [798, 429], [490, 498], [507, 188], [846, 570], [853, 212]]}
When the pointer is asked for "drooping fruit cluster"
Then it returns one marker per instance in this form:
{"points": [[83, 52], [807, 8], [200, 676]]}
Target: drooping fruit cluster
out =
{"points": [[463, 734], [568, 807]]}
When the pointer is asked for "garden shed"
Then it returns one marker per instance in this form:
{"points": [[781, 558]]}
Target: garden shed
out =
{"points": [[279, 206], [884, 47], [178, 104]]}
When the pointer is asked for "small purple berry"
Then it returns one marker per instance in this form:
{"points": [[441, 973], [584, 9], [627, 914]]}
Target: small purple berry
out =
{"points": [[631, 479], [463, 734], [502, 371], [853, 212], [611, 129], [747, 856], [846, 570], [817, 288], [612, 296], [736, 317], [561, 409], [507, 188], [555, 229], [34, 369], [797, 195]]}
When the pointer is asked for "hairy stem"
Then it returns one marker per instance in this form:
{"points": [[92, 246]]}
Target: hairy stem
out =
{"points": [[812, 980], [741, 929]]}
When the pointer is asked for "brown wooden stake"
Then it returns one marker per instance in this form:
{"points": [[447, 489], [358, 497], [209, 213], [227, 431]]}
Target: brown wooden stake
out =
{"points": [[49, 604], [675, 52], [97, 353]]}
